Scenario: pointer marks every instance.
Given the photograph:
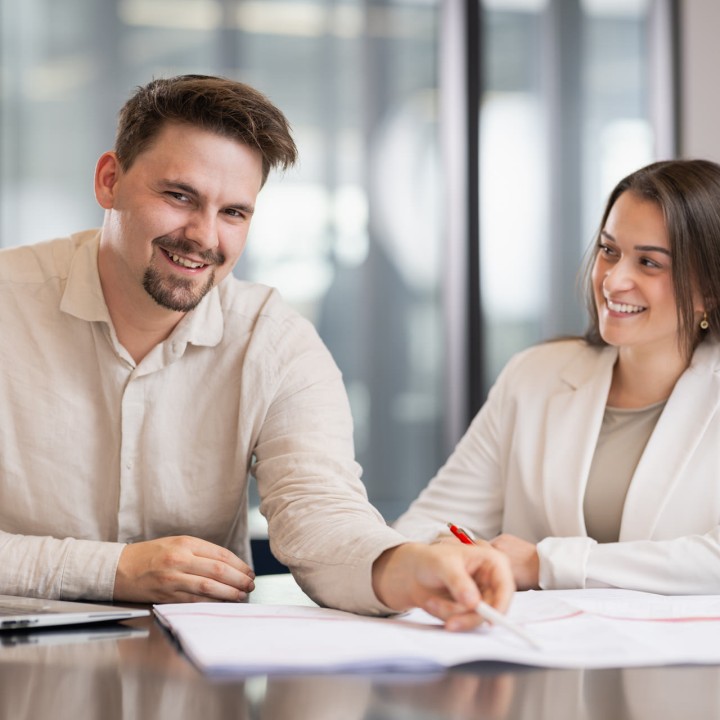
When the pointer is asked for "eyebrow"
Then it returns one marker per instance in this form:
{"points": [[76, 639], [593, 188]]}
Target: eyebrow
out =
{"points": [[190, 190], [641, 248]]}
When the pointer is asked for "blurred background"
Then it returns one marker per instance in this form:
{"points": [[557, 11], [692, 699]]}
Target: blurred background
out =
{"points": [[455, 156]]}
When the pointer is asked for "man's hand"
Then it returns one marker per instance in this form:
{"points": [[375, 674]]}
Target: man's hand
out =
{"points": [[180, 569], [445, 579], [523, 558]]}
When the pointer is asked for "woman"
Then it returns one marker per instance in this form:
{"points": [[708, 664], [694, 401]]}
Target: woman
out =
{"points": [[596, 461]]}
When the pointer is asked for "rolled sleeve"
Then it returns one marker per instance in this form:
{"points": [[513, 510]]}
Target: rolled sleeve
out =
{"points": [[563, 562], [61, 569], [348, 585], [320, 522], [89, 570]]}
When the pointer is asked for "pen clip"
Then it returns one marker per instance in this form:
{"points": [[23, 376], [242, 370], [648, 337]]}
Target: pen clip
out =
{"points": [[462, 535]]}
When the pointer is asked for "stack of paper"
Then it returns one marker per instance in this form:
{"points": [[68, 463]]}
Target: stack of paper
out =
{"points": [[574, 628]]}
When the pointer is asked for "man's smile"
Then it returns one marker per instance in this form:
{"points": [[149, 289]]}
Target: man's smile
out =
{"points": [[183, 261], [185, 255]]}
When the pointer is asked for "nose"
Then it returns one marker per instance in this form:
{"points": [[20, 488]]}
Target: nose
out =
{"points": [[201, 229], [618, 278]]}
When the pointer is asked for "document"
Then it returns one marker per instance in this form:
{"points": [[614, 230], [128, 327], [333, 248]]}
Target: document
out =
{"points": [[571, 628]]}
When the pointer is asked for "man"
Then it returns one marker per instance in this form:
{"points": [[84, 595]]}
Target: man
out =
{"points": [[142, 384]]}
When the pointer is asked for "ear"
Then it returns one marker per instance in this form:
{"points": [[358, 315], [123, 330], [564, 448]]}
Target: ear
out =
{"points": [[107, 173], [700, 304], [704, 305]]}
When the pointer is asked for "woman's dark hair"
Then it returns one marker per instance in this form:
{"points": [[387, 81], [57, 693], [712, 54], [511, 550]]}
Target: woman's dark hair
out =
{"points": [[688, 193], [226, 107]]}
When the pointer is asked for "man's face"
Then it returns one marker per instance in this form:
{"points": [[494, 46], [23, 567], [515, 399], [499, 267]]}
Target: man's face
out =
{"points": [[177, 219]]}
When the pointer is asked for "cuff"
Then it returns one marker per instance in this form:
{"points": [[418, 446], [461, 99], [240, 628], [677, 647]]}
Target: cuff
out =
{"points": [[563, 562], [349, 586], [89, 570]]}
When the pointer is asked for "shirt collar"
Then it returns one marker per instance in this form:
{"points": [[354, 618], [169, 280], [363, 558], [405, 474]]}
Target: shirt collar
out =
{"points": [[83, 298], [204, 325], [83, 295]]}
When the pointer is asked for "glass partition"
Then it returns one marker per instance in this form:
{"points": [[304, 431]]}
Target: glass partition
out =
{"points": [[565, 114]]}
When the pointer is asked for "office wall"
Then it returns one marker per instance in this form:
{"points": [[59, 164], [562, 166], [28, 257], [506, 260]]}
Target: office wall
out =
{"points": [[699, 89]]}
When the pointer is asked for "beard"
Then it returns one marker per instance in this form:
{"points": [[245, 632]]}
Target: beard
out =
{"points": [[178, 293]]}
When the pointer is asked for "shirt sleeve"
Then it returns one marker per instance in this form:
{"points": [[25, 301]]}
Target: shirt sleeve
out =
{"points": [[320, 522], [65, 569], [687, 565]]}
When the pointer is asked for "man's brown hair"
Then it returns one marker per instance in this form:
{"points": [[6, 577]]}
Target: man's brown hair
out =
{"points": [[219, 105]]}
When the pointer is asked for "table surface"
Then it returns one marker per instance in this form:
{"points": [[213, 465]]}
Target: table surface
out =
{"points": [[145, 675]]}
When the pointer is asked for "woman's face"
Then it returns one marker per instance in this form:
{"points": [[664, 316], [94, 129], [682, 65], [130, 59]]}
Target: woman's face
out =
{"points": [[632, 278]]}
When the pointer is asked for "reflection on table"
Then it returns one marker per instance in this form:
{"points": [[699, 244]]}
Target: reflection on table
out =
{"points": [[109, 674]]}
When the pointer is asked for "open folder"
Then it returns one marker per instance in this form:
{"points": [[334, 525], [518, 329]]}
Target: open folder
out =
{"points": [[574, 628]]}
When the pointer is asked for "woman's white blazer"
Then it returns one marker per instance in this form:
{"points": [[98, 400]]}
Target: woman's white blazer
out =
{"points": [[523, 464]]}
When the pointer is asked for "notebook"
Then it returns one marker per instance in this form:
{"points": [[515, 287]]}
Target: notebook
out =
{"points": [[22, 612]]}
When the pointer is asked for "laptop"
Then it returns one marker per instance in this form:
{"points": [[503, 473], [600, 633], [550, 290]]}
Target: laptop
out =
{"points": [[22, 612], [61, 635]]}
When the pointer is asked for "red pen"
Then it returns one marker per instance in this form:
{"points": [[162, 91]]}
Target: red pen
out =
{"points": [[460, 534], [488, 611]]}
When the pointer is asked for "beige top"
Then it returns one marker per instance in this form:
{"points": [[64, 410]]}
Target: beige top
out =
{"points": [[97, 451], [623, 437]]}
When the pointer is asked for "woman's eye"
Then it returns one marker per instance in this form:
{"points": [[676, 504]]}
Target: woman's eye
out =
{"points": [[647, 262]]}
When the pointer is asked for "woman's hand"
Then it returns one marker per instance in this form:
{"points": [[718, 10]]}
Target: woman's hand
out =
{"points": [[524, 560]]}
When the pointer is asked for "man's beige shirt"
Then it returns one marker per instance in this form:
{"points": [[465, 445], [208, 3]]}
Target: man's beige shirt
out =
{"points": [[97, 451]]}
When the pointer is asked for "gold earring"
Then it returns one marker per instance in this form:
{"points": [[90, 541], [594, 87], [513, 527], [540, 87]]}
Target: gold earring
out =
{"points": [[704, 324]]}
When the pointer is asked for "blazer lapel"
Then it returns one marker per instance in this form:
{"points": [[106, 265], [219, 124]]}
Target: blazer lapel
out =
{"points": [[689, 409], [574, 419]]}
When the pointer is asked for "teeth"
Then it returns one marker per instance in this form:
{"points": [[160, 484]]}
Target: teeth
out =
{"points": [[186, 263], [623, 308]]}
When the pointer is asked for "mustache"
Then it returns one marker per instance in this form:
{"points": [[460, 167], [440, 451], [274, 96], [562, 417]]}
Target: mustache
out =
{"points": [[181, 246]]}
